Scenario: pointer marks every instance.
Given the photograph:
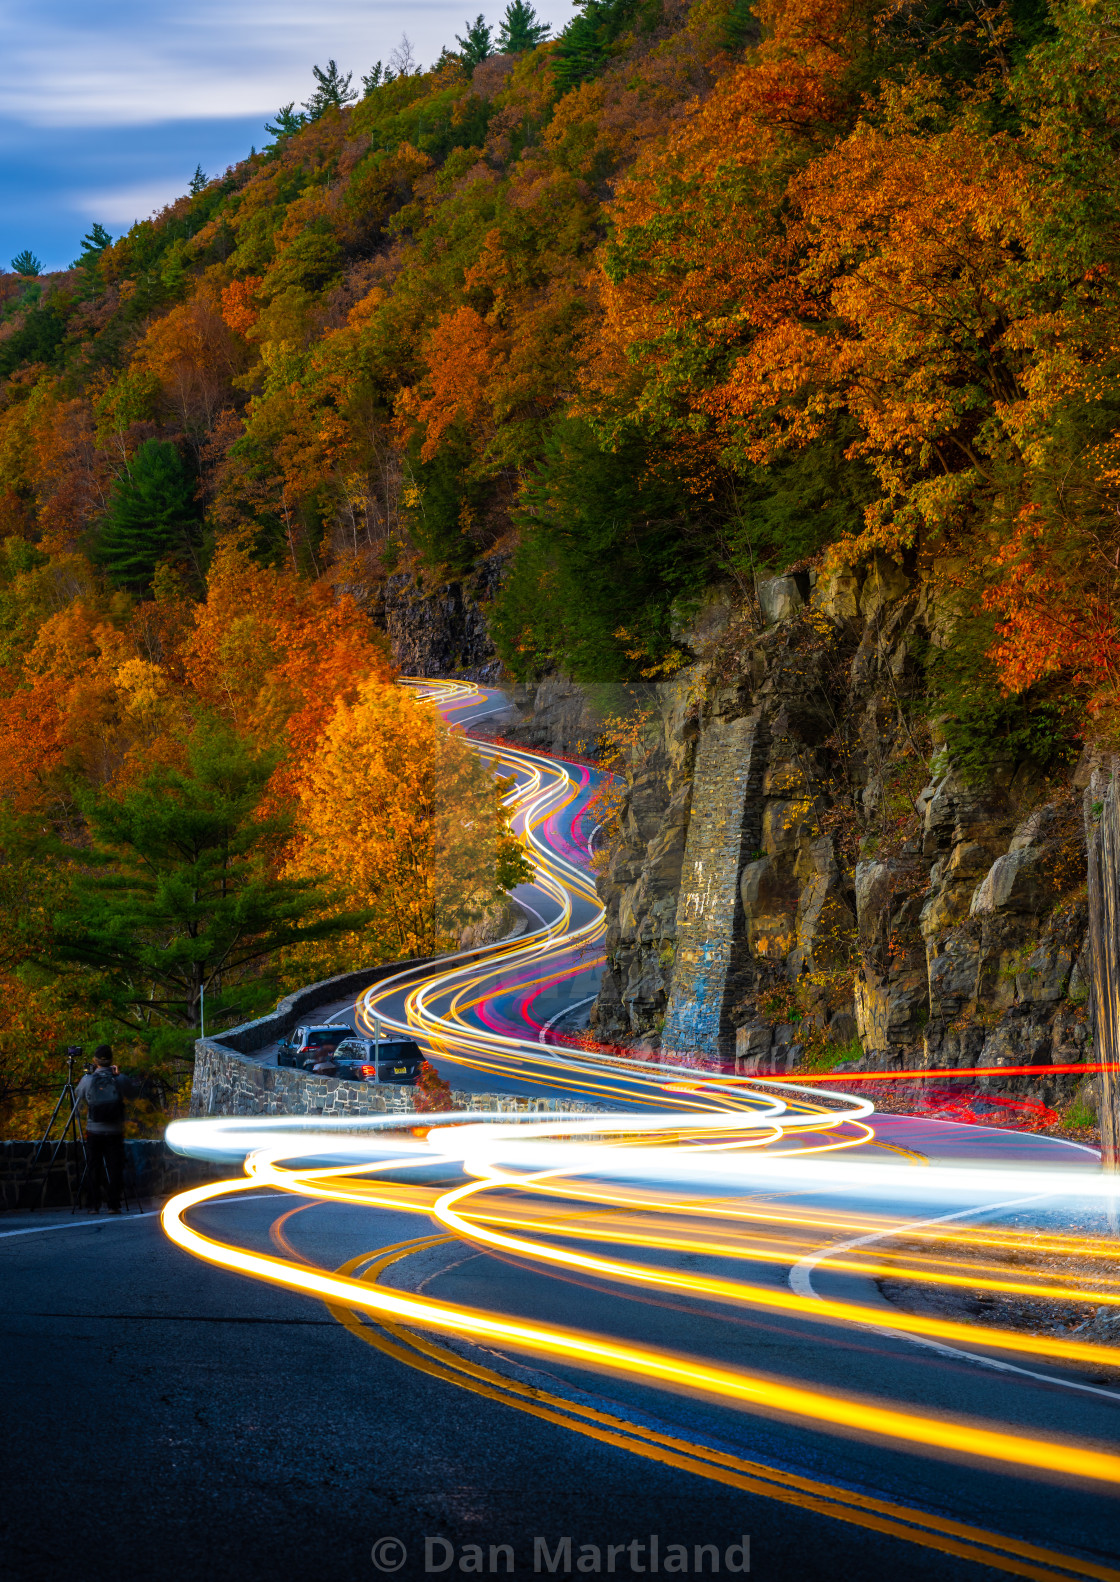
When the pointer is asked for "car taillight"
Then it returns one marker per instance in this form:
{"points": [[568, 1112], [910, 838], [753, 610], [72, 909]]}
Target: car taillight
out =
{"points": [[367, 1071]]}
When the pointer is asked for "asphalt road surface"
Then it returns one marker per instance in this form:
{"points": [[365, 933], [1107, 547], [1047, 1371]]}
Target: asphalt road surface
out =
{"points": [[164, 1419], [166, 1416]]}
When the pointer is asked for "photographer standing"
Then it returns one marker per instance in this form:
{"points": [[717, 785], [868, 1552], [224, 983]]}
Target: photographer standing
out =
{"points": [[104, 1090]]}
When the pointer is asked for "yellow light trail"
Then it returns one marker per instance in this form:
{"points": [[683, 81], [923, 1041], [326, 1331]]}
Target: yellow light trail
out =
{"points": [[539, 1190], [929, 1531], [645, 1364]]}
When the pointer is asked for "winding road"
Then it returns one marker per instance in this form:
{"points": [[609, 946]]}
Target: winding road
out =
{"points": [[648, 1339]]}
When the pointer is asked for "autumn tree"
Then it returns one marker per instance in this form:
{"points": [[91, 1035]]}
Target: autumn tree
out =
{"points": [[195, 356], [405, 814], [272, 652]]}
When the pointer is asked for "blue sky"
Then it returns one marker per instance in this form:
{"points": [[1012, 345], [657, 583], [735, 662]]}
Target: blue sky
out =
{"points": [[107, 106]]}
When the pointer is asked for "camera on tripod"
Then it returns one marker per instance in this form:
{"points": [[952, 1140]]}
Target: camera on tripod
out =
{"points": [[74, 1052]]}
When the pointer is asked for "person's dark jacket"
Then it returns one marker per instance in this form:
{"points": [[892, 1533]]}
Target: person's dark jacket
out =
{"points": [[93, 1086]]}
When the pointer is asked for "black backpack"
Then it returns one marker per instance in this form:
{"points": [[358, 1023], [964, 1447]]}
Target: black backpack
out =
{"points": [[106, 1106]]}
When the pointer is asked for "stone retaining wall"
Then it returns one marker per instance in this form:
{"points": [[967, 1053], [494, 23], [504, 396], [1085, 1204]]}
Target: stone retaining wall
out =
{"points": [[152, 1172], [225, 1083]]}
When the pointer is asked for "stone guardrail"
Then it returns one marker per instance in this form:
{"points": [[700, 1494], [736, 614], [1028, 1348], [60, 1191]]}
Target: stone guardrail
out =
{"points": [[225, 1083], [291, 1010], [152, 1171]]}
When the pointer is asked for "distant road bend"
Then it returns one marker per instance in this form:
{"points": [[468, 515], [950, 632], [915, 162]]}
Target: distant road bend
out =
{"points": [[665, 1313]]}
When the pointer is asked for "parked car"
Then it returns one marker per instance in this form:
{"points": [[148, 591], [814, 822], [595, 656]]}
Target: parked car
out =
{"points": [[304, 1045], [400, 1060]]}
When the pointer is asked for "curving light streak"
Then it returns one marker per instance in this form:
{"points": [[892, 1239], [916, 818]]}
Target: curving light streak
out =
{"points": [[753, 1176], [668, 1369]]}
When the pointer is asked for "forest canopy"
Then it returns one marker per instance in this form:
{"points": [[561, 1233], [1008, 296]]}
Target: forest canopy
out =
{"points": [[687, 294]]}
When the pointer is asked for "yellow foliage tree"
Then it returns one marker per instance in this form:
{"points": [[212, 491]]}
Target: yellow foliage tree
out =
{"points": [[404, 816]]}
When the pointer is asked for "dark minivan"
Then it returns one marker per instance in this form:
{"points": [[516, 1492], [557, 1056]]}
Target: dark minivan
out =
{"points": [[304, 1045]]}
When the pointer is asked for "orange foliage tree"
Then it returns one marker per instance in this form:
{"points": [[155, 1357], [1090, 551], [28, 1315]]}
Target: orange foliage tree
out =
{"points": [[402, 812]]}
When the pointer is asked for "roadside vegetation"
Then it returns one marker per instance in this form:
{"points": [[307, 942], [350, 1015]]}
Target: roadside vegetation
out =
{"points": [[219, 800]]}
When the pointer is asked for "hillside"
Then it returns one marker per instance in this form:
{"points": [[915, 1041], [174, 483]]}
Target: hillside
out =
{"points": [[688, 296]]}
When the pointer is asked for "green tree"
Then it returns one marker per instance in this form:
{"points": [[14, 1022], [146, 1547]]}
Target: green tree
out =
{"points": [[332, 88], [152, 517], [26, 263], [521, 29], [288, 121], [604, 551], [178, 895], [477, 46], [806, 498], [584, 46], [199, 181], [446, 500], [94, 243], [372, 79]]}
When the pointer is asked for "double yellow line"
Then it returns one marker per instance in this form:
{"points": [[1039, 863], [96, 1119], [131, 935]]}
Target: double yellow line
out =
{"points": [[907, 1523]]}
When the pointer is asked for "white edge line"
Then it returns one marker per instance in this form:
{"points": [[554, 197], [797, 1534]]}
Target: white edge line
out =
{"points": [[567, 1011], [117, 1219], [801, 1283]]}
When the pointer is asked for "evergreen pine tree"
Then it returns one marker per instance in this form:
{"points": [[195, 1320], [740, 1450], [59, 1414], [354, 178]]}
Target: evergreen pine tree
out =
{"points": [[96, 239], [332, 88], [198, 182], [288, 120], [152, 517], [178, 890], [521, 29], [372, 79], [26, 263], [94, 243], [584, 46], [477, 45]]}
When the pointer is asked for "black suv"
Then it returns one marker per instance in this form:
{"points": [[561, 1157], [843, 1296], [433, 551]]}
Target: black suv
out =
{"points": [[398, 1060], [304, 1045]]}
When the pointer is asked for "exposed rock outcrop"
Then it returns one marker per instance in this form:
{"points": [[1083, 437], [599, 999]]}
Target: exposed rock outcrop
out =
{"points": [[877, 894], [438, 631], [642, 880], [559, 716]]}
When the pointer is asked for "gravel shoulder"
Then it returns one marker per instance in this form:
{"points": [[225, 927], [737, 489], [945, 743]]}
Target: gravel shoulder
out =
{"points": [[1090, 1269]]}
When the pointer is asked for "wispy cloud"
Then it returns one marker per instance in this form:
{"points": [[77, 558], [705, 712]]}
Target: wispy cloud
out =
{"points": [[130, 62], [121, 206], [107, 105], [55, 180]]}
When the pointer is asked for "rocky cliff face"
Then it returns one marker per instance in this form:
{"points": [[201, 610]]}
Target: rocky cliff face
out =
{"points": [[885, 907], [438, 631]]}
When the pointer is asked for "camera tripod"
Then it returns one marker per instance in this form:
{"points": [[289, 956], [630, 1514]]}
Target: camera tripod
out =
{"points": [[71, 1132], [50, 1146]]}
